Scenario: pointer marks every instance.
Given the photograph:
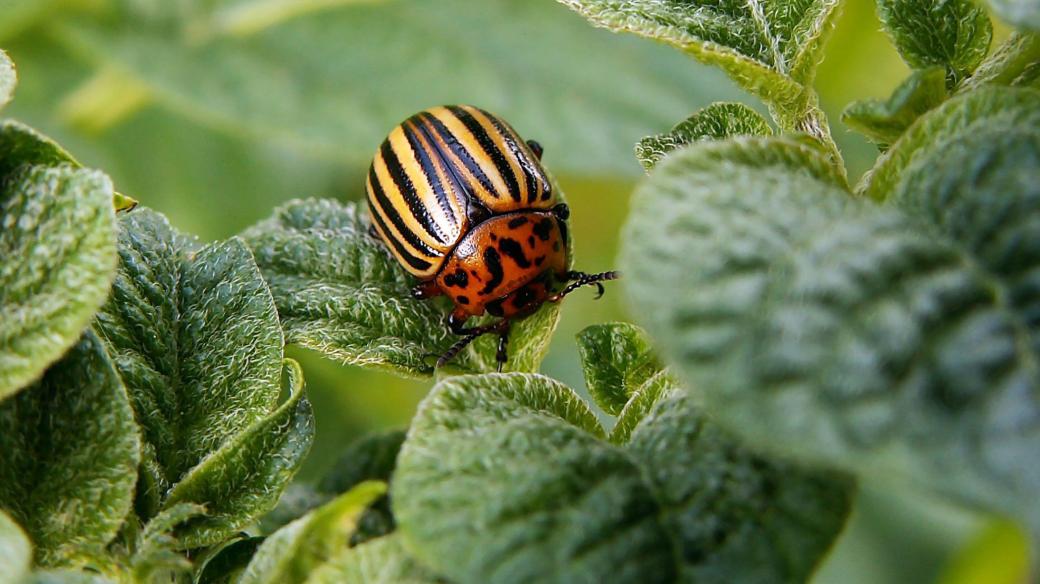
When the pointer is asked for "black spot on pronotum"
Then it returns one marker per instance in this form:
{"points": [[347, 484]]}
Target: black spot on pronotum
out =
{"points": [[556, 246], [493, 263], [517, 222], [493, 236], [530, 241], [538, 261], [512, 248], [461, 299], [494, 308], [543, 229], [523, 297], [457, 279]]}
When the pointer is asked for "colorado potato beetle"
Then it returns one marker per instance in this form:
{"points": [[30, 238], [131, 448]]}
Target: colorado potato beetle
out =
{"points": [[465, 206]]}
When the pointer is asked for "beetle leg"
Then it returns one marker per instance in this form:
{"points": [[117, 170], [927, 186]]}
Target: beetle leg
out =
{"points": [[427, 289], [469, 335], [536, 148], [582, 279], [503, 343]]}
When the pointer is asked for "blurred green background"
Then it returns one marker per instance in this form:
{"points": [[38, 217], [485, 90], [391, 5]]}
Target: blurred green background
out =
{"points": [[216, 111]]}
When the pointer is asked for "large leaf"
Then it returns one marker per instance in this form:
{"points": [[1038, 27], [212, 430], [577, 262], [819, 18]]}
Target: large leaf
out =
{"points": [[508, 478], [15, 551], [715, 122], [584, 94], [195, 336], [1016, 62], [68, 456], [339, 291], [988, 109], [884, 121], [292, 552], [953, 34], [381, 561], [617, 360], [8, 79], [838, 332], [58, 243], [770, 48]]}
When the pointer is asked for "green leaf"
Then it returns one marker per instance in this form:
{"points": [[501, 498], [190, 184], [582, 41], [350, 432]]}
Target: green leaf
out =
{"points": [[736, 516], [1016, 62], [715, 122], [1023, 14], [8, 79], [58, 223], [988, 108], [20, 144], [835, 331], [69, 455], [225, 564], [244, 478], [954, 34], [196, 338], [285, 87], [340, 292], [884, 121], [67, 577], [617, 359], [769, 48], [508, 478], [370, 458], [643, 399], [380, 561], [15, 551], [292, 552]]}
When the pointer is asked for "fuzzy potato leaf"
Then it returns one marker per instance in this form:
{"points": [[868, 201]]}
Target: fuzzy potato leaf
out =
{"points": [[726, 505], [194, 333], [69, 455], [643, 400], [340, 292], [292, 552], [884, 121], [954, 34], [57, 242], [770, 48], [617, 359], [380, 561], [715, 122], [244, 478], [986, 109], [15, 551], [1016, 62], [835, 331], [20, 144], [278, 83], [8, 79], [507, 478]]}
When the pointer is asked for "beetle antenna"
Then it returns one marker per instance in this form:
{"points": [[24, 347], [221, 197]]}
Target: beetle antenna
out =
{"points": [[582, 280]]}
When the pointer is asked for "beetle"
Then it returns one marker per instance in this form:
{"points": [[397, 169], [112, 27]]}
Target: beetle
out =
{"points": [[464, 205]]}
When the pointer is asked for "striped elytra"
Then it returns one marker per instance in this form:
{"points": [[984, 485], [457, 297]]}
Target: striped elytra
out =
{"points": [[464, 205]]}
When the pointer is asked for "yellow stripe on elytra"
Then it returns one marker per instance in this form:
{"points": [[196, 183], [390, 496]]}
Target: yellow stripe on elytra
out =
{"points": [[424, 192], [401, 209], [507, 152], [452, 224], [469, 142]]}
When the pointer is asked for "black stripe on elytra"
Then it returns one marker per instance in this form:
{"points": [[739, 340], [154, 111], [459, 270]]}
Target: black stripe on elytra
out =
{"points": [[460, 151], [420, 123], [417, 263], [429, 169], [408, 193], [493, 263], [395, 217], [515, 251], [489, 148], [527, 168]]}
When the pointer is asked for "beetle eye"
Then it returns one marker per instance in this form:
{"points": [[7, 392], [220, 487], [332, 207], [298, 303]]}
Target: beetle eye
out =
{"points": [[562, 211]]}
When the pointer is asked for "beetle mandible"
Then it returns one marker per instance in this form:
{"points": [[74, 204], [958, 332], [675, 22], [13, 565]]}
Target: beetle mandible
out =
{"points": [[464, 205]]}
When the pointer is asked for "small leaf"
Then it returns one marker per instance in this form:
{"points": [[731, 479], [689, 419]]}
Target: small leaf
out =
{"points": [[507, 478], [726, 505], [69, 455], [196, 338], [617, 359], [769, 48], [244, 478], [8, 79], [715, 122], [1024, 14], [1015, 63], [380, 561], [20, 144], [987, 108], [340, 292], [954, 34], [15, 551], [837, 332], [884, 121], [643, 399], [224, 564], [59, 223], [292, 552]]}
